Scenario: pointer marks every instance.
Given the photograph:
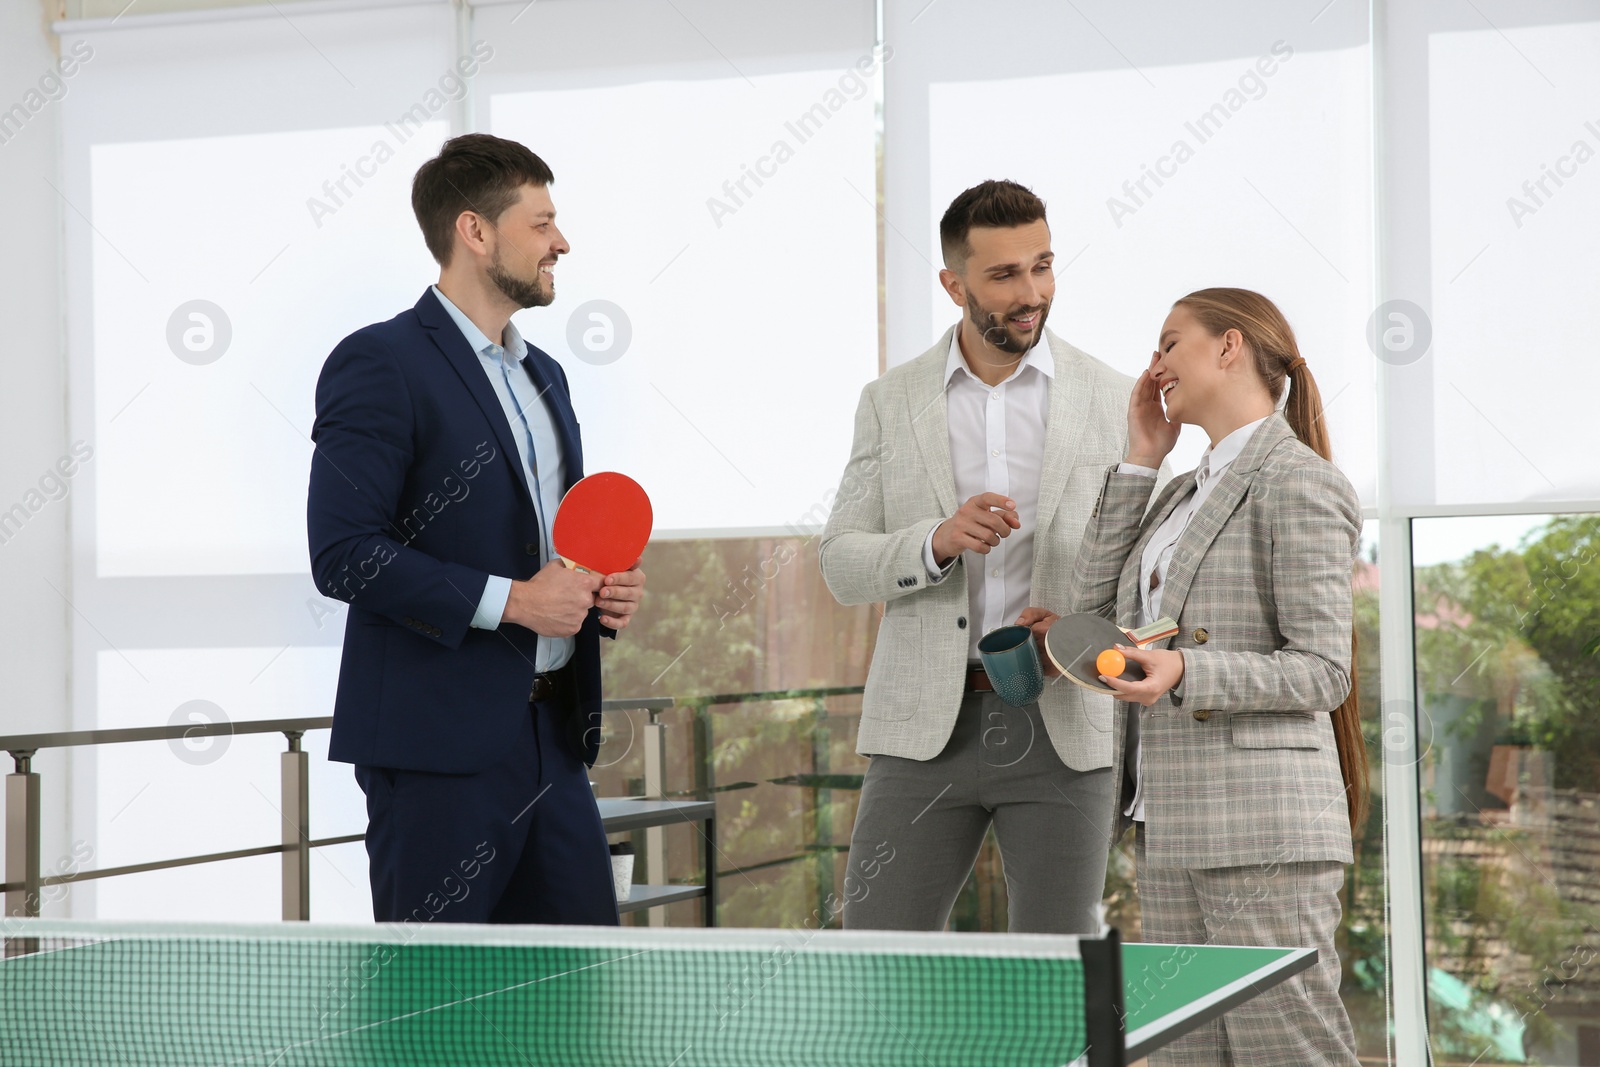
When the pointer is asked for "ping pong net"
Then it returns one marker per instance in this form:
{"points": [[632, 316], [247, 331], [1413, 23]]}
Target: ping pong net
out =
{"points": [[284, 994]]}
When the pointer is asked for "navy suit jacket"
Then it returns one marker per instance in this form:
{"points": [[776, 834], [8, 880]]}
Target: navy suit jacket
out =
{"points": [[417, 496]]}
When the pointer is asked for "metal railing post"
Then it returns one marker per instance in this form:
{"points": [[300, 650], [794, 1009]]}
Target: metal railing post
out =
{"points": [[705, 777], [655, 783], [22, 836], [295, 770], [822, 764]]}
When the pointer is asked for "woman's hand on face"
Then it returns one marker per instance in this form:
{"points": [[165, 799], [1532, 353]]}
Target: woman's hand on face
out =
{"points": [[1150, 436], [1163, 669]]}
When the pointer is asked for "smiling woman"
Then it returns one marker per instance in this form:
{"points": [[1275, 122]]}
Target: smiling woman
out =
{"points": [[1258, 691]]}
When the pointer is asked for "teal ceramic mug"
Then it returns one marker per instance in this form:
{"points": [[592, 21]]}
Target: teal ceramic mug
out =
{"points": [[1011, 660]]}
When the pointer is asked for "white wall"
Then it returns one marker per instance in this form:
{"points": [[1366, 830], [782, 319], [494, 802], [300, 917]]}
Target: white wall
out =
{"points": [[34, 583]]}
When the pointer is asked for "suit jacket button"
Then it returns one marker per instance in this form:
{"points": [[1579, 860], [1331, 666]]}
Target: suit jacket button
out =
{"points": [[531, 548], [911, 581], [961, 623], [1202, 715], [1201, 636]]}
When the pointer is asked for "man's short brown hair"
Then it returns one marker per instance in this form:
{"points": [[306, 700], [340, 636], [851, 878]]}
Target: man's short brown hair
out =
{"points": [[992, 203], [474, 172]]}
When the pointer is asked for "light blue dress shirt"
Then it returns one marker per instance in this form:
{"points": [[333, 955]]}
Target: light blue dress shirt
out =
{"points": [[520, 401]]}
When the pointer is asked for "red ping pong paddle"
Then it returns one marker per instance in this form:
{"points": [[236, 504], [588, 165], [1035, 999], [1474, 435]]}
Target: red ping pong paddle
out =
{"points": [[1074, 642], [602, 524]]}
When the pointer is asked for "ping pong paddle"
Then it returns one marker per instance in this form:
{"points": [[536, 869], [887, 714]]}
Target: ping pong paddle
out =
{"points": [[602, 524], [1075, 642]]}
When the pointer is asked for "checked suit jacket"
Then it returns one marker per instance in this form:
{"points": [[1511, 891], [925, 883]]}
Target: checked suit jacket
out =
{"points": [[899, 485], [1242, 769]]}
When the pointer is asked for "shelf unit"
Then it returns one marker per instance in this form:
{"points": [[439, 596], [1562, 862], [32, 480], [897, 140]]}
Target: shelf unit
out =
{"points": [[624, 814]]}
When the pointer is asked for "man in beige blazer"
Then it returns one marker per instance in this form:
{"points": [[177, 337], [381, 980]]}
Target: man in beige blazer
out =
{"points": [[972, 475]]}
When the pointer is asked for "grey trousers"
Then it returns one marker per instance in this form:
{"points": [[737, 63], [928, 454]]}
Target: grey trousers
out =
{"points": [[1280, 904], [920, 824]]}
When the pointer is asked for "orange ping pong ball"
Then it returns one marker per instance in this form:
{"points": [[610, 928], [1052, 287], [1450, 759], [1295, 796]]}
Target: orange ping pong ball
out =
{"points": [[1111, 663]]}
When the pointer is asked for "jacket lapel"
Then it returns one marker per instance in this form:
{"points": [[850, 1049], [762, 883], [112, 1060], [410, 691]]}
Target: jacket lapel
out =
{"points": [[448, 339], [1063, 440], [1214, 513], [925, 401]]}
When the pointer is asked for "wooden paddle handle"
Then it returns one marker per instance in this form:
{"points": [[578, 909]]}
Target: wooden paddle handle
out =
{"points": [[571, 566], [1144, 635]]}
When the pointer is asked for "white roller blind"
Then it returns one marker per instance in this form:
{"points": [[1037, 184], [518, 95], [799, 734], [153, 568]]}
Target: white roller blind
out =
{"points": [[1514, 153], [201, 461], [260, 165], [715, 177], [1173, 153]]}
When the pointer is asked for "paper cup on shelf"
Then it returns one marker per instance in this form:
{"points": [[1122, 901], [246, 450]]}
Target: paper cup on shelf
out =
{"points": [[622, 868]]}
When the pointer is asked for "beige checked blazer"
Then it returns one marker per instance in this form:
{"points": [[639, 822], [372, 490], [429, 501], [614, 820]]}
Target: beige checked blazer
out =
{"points": [[1242, 770], [899, 485]]}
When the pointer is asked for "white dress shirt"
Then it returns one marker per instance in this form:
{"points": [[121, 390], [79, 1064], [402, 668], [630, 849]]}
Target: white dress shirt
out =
{"points": [[996, 446], [553, 652], [1158, 555]]}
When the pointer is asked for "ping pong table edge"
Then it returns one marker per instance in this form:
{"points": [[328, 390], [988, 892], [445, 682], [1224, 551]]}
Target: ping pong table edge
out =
{"points": [[1161, 1031]]}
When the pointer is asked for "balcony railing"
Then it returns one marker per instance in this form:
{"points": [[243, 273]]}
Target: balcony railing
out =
{"points": [[24, 878]]}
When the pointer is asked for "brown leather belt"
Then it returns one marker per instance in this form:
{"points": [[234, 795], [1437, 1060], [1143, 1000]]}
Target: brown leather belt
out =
{"points": [[978, 680]]}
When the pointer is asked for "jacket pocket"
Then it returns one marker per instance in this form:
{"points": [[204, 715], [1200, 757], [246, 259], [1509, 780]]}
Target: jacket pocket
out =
{"points": [[894, 681], [1276, 729], [1099, 711]]}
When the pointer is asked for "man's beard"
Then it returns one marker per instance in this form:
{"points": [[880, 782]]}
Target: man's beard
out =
{"points": [[523, 293], [997, 330]]}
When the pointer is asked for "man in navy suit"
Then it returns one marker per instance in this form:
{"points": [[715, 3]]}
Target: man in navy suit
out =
{"points": [[469, 690]]}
